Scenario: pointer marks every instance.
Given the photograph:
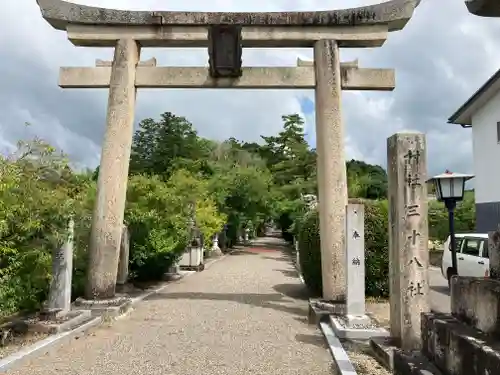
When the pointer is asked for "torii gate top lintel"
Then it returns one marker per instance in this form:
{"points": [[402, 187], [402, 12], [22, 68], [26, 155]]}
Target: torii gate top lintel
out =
{"points": [[395, 14]]}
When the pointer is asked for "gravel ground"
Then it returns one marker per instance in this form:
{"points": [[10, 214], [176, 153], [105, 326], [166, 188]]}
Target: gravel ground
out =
{"points": [[244, 315], [19, 342], [362, 358]]}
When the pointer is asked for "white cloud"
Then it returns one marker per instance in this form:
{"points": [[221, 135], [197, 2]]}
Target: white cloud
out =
{"points": [[441, 57]]}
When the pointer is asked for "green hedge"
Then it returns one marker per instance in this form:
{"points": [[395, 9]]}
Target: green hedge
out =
{"points": [[376, 249]]}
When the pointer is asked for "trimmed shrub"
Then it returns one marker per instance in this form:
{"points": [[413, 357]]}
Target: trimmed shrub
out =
{"points": [[309, 250], [376, 249]]}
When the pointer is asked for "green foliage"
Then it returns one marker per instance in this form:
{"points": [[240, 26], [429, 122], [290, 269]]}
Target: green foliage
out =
{"points": [[38, 195], [366, 180], [376, 247], [173, 170], [157, 216], [293, 167], [310, 252], [161, 147], [465, 217]]}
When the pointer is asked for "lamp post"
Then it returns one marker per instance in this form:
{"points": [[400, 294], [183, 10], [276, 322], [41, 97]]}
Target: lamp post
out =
{"points": [[450, 188]]}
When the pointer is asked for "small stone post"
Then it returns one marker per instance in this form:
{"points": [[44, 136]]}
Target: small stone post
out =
{"points": [[59, 301], [297, 253], [246, 239], [215, 247], [494, 253], [408, 237], [122, 276], [332, 179], [113, 174], [355, 264]]}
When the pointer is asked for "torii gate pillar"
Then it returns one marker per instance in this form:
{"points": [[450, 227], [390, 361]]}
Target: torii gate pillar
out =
{"points": [[332, 177], [107, 221]]}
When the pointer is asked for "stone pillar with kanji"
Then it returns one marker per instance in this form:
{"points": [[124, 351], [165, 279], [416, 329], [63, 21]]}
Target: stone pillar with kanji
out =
{"points": [[408, 237]]}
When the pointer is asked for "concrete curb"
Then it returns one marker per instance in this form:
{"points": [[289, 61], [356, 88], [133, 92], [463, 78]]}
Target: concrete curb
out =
{"points": [[38, 347], [45, 344], [340, 358]]}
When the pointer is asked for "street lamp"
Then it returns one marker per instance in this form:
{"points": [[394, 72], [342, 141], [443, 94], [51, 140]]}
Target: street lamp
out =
{"points": [[450, 189]]}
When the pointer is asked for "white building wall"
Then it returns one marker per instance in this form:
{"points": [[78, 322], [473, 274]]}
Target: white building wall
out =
{"points": [[486, 151]]}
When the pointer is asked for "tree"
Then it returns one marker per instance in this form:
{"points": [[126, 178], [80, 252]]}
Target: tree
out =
{"points": [[289, 157], [241, 185], [161, 147], [366, 180], [293, 166]]}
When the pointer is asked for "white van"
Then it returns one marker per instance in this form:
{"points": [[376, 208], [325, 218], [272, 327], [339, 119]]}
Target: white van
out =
{"points": [[472, 256]]}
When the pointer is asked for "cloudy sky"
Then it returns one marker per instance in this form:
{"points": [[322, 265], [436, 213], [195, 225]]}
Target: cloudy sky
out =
{"points": [[442, 56]]}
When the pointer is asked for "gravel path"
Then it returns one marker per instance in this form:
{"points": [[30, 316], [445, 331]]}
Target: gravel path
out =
{"points": [[244, 315]]}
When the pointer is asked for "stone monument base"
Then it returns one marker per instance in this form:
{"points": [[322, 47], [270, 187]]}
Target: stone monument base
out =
{"points": [[383, 350], [356, 327], [55, 321], [413, 364], [172, 276], [112, 307], [215, 252], [320, 310], [197, 268]]}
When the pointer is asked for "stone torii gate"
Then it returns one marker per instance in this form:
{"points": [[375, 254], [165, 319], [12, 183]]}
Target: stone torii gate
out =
{"points": [[224, 35]]}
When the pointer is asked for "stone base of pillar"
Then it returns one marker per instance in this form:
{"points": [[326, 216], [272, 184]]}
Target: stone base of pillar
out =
{"points": [[356, 327], [216, 251], [320, 310], [111, 308], [56, 320], [383, 351], [417, 364], [173, 273]]}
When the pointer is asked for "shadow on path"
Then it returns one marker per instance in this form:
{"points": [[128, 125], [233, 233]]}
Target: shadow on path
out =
{"points": [[316, 340], [288, 273], [242, 252], [268, 244], [266, 301], [295, 291], [280, 259]]}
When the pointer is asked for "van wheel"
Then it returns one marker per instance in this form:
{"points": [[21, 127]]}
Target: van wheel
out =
{"points": [[449, 274]]}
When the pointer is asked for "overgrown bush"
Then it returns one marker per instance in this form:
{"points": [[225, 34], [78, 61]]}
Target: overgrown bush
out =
{"points": [[157, 215], [39, 193], [310, 252], [38, 196], [376, 249]]}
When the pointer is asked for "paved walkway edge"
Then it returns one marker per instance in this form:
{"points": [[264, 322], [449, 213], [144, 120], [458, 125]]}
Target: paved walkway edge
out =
{"points": [[340, 358], [45, 344]]}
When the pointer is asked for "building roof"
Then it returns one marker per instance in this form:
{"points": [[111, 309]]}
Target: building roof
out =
{"points": [[463, 115]]}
